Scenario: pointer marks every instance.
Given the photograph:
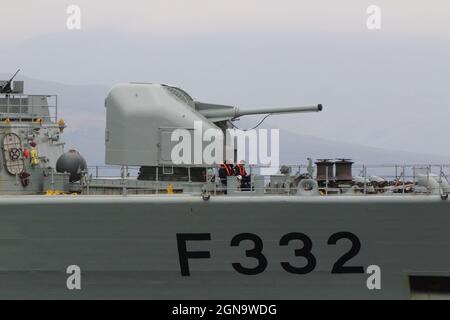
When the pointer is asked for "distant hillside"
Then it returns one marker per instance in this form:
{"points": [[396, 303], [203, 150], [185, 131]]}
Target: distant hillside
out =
{"points": [[82, 107]]}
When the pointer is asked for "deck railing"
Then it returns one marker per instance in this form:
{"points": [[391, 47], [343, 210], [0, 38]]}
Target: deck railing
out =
{"points": [[398, 178], [25, 107]]}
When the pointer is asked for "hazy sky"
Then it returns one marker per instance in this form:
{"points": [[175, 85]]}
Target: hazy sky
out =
{"points": [[22, 19], [383, 88], [25, 22]]}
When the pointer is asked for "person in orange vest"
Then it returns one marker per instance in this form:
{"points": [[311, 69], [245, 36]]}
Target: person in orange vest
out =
{"points": [[242, 175], [225, 170]]}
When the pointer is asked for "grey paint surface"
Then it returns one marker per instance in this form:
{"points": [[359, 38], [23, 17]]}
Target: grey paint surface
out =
{"points": [[137, 115], [126, 246]]}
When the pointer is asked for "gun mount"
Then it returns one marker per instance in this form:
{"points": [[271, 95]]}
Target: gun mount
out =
{"points": [[5, 87], [140, 120]]}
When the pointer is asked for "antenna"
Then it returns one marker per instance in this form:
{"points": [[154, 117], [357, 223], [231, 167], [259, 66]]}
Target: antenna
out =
{"points": [[7, 87]]}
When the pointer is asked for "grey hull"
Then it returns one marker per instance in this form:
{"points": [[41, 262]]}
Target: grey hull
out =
{"points": [[127, 247]]}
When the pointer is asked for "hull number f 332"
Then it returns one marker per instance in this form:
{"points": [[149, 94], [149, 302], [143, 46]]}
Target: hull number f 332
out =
{"points": [[304, 252]]}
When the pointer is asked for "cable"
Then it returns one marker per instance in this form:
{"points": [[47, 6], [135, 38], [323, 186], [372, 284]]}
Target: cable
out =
{"points": [[259, 123]]}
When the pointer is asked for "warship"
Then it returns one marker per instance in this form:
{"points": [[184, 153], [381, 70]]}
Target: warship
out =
{"points": [[162, 230]]}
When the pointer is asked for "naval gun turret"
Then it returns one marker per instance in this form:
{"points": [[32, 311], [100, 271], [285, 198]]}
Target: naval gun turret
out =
{"points": [[140, 120]]}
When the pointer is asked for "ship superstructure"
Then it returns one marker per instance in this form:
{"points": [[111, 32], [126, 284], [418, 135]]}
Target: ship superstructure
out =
{"points": [[30, 138]]}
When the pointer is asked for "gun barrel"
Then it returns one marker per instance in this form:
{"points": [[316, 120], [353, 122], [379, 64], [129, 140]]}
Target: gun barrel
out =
{"points": [[15, 74], [278, 110], [227, 112], [7, 87]]}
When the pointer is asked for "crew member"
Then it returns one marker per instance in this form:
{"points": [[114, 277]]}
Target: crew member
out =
{"points": [[242, 175], [225, 170]]}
